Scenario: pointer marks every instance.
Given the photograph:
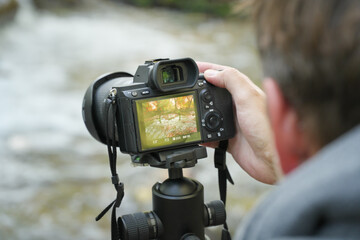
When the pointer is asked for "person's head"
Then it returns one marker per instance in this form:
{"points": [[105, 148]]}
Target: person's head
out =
{"points": [[310, 51]]}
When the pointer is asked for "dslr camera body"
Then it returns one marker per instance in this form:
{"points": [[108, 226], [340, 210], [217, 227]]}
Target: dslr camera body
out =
{"points": [[166, 105], [159, 116]]}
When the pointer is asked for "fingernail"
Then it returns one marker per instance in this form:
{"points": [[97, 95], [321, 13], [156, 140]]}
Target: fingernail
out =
{"points": [[210, 73]]}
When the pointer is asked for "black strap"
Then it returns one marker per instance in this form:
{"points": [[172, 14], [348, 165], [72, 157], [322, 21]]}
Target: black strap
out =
{"points": [[110, 103], [224, 175]]}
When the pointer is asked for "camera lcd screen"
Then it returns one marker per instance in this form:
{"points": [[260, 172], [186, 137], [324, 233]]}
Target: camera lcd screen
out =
{"points": [[168, 120]]}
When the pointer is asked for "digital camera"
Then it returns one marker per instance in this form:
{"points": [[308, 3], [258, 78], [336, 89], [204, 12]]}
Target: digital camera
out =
{"points": [[166, 105]]}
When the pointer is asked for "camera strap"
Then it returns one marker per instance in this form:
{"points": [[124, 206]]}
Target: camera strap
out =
{"points": [[223, 176], [110, 103]]}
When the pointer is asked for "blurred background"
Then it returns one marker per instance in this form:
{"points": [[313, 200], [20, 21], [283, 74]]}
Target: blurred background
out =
{"points": [[54, 177]]}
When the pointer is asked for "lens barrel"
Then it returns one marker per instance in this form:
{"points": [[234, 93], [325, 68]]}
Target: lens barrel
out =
{"points": [[93, 108]]}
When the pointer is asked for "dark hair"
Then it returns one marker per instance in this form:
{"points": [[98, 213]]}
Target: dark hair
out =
{"points": [[312, 49]]}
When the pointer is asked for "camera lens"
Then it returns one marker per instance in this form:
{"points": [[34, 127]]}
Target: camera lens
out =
{"points": [[94, 110], [140, 226]]}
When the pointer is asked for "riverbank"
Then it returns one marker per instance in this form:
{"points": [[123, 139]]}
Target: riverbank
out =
{"points": [[55, 176], [217, 9], [221, 8]]}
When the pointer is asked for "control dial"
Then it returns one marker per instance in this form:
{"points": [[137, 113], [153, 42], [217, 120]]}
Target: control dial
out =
{"points": [[213, 120], [206, 96]]}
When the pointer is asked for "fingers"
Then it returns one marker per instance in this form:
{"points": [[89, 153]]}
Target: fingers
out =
{"points": [[226, 77], [203, 66], [210, 144], [252, 147], [239, 85], [211, 71]]}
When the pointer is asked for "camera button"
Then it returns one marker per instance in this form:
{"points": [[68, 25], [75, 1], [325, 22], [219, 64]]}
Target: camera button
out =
{"points": [[209, 136], [213, 120], [219, 134], [206, 96], [200, 84], [134, 94], [145, 92]]}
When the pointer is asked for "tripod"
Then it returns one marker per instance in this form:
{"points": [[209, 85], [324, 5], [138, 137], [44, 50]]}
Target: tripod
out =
{"points": [[179, 212]]}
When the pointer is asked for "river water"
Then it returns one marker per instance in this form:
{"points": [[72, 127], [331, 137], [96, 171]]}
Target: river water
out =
{"points": [[54, 176]]}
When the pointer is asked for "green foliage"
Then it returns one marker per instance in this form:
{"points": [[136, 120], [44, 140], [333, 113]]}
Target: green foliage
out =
{"points": [[211, 7], [7, 10], [143, 3]]}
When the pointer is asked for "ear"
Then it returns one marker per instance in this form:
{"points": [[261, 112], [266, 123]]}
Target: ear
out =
{"points": [[289, 137]]}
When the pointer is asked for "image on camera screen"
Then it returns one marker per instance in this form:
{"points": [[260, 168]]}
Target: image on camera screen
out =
{"points": [[168, 120]]}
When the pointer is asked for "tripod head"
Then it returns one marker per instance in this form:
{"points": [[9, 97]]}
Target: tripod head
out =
{"points": [[172, 159], [179, 211]]}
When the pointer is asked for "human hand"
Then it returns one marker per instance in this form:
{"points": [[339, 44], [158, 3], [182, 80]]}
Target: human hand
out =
{"points": [[253, 146]]}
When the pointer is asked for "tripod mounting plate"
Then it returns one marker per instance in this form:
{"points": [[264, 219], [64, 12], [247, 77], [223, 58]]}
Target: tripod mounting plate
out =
{"points": [[175, 158]]}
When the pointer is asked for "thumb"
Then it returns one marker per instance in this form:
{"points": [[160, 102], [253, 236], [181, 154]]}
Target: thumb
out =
{"points": [[237, 83], [229, 78], [214, 77]]}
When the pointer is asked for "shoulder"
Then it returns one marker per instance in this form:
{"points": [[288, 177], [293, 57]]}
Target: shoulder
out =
{"points": [[319, 198]]}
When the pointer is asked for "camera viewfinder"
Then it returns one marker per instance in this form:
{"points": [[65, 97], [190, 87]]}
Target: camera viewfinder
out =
{"points": [[172, 74]]}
